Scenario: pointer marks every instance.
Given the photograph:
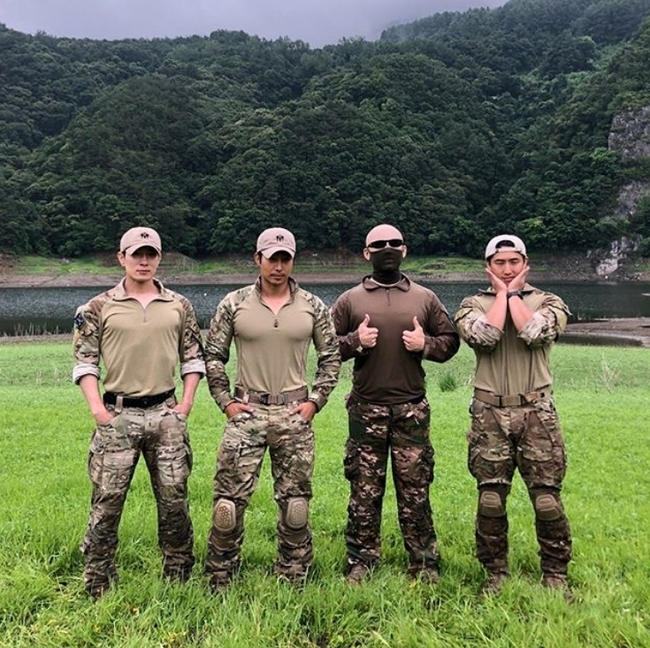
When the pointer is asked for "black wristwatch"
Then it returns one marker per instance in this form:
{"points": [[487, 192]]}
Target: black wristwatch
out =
{"points": [[515, 293]]}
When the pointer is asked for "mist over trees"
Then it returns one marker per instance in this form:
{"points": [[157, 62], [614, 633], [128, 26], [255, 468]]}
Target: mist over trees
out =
{"points": [[451, 127]]}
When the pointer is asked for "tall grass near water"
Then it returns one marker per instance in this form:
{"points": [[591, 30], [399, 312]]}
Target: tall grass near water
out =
{"points": [[603, 398]]}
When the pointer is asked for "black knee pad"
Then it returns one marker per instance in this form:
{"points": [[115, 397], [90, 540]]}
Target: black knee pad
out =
{"points": [[490, 504], [547, 507]]}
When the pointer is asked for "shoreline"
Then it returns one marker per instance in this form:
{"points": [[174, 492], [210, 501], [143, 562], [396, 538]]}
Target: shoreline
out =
{"points": [[243, 278]]}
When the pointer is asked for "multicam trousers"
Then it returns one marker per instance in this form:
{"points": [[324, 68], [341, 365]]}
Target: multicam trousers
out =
{"points": [[375, 431], [290, 440], [528, 438], [160, 434]]}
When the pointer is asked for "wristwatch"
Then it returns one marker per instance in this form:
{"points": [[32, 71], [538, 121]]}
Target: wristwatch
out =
{"points": [[515, 293]]}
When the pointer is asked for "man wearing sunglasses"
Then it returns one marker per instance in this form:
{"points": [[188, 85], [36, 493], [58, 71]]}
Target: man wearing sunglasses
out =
{"points": [[512, 327], [388, 324]]}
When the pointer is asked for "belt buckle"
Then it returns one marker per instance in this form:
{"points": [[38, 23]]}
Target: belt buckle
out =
{"points": [[265, 399]]}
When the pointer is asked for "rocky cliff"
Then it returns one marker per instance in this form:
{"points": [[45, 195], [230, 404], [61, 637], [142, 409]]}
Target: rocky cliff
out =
{"points": [[630, 137]]}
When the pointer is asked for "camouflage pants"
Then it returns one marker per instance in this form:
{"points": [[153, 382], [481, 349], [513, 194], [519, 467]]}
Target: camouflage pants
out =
{"points": [[160, 434], [527, 438], [290, 440], [375, 431]]}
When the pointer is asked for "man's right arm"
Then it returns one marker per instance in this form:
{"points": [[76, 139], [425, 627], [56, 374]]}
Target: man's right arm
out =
{"points": [[217, 353], [86, 351], [473, 326]]}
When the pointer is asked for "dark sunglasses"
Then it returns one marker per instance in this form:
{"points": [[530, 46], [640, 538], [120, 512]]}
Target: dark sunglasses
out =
{"points": [[394, 243]]}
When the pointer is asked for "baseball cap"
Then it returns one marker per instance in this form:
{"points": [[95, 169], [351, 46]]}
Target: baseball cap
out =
{"points": [[505, 243], [276, 239], [138, 237]]}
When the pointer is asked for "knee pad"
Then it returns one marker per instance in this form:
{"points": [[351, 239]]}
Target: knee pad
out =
{"points": [[490, 504], [225, 515], [547, 507], [297, 513]]}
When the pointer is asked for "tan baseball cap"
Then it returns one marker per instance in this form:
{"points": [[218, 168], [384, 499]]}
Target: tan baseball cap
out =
{"points": [[505, 243], [138, 237], [276, 239]]}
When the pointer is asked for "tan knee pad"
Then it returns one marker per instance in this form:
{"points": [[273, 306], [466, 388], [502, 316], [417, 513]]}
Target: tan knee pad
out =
{"points": [[225, 515], [297, 513], [547, 507], [490, 504]]}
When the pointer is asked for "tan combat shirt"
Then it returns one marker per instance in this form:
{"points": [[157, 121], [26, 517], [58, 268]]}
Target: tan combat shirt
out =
{"points": [[139, 347], [271, 349], [508, 362]]}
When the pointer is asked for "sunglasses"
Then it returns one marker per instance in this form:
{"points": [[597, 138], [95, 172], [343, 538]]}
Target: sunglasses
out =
{"points": [[394, 243]]}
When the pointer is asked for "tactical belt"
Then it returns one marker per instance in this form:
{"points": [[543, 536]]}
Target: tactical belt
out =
{"points": [[264, 398], [510, 401], [110, 398]]}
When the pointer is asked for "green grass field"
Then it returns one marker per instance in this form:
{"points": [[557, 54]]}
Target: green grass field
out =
{"points": [[603, 398]]}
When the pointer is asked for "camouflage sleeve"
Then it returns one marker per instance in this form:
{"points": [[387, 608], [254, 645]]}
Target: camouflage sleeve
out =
{"points": [[192, 354], [217, 352], [474, 328], [86, 339], [546, 324], [441, 340], [327, 351], [348, 340]]}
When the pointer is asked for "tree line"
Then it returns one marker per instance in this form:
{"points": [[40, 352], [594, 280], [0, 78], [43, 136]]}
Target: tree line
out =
{"points": [[448, 127]]}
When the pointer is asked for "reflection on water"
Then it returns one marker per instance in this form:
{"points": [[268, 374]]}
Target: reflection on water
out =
{"points": [[51, 310]]}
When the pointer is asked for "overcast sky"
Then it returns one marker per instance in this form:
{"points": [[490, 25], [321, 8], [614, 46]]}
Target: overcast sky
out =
{"points": [[317, 22]]}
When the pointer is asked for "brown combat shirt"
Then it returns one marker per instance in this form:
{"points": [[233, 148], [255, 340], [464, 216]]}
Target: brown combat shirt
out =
{"points": [[388, 373]]}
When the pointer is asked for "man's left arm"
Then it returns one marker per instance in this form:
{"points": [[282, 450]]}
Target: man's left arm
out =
{"points": [[549, 319], [192, 359], [328, 360]]}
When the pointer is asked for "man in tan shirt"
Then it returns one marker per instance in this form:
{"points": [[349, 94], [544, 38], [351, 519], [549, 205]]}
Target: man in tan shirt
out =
{"points": [[272, 323], [140, 331], [511, 327]]}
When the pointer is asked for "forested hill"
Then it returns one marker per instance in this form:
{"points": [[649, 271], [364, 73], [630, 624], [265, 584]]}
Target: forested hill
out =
{"points": [[452, 128]]}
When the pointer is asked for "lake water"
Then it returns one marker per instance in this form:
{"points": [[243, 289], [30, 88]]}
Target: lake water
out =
{"points": [[38, 310]]}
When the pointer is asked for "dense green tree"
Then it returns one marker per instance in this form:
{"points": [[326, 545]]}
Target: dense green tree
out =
{"points": [[451, 126]]}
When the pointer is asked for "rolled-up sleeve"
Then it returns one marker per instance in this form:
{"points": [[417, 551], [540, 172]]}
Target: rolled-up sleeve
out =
{"points": [[192, 352], [547, 323], [473, 327], [85, 345]]}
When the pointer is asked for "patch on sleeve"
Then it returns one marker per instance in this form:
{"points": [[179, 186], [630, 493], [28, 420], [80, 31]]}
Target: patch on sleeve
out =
{"points": [[79, 321]]}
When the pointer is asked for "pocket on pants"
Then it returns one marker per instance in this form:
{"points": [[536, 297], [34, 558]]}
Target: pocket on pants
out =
{"points": [[174, 464]]}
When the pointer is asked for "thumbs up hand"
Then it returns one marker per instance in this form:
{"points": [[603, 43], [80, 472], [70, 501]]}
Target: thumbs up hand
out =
{"points": [[367, 334], [414, 340]]}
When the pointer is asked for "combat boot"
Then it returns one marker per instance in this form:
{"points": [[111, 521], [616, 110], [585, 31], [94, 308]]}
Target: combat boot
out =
{"points": [[426, 575], [220, 581], [357, 573], [494, 583], [560, 582]]}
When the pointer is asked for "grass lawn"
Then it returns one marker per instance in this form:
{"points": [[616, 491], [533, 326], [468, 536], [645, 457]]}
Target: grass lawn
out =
{"points": [[603, 398]]}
